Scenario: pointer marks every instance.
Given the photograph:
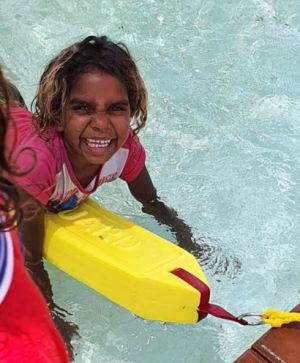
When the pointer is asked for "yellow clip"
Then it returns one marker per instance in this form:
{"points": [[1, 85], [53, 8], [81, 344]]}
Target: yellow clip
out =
{"points": [[276, 318]]}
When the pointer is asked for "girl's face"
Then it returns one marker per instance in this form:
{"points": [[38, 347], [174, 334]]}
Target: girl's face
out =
{"points": [[97, 119]]}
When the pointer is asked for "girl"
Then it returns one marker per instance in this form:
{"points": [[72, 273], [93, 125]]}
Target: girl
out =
{"points": [[90, 106], [27, 333]]}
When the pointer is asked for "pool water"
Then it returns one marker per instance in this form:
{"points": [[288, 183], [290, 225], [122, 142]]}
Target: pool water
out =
{"points": [[222, 143]]}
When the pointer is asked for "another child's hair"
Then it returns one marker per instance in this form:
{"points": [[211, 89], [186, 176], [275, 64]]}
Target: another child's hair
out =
{"points": [[92, 53], [10, 212]]}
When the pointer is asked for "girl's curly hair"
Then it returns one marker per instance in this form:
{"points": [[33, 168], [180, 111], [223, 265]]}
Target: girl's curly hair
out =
{"points": [[92, 53]]}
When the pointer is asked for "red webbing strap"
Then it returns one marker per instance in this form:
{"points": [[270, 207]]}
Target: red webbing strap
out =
{"points": [[204, 306]]}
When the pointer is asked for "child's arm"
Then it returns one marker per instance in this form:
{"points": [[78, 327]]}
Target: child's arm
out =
{"points": [[143, 190], [142, 187], [32, 227], [32, 231]]}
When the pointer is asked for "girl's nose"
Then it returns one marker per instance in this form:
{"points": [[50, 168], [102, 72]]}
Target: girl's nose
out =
{"points": [[99, 121]]}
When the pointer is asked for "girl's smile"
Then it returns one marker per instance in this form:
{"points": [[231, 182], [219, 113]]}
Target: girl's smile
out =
{"points": [[96, 147], [97, 120]]}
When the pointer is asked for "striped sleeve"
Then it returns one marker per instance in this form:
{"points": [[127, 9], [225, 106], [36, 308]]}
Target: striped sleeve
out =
{"points": [[136, 158], [6, 263]]}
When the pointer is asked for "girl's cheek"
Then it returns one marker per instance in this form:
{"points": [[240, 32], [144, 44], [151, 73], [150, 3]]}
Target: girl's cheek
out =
{"points": [[81, 121]]}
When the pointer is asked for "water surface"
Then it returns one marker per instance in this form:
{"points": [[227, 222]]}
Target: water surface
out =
{"points": [[222, 144]]}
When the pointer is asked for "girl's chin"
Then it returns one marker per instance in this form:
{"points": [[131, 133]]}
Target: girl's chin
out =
{"points": [[98, 159]]}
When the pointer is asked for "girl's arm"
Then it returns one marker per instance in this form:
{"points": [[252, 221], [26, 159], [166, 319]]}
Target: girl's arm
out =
{"points": [[32, 231], [32, 228], [143, 190], [142, 187], [208, 254]]}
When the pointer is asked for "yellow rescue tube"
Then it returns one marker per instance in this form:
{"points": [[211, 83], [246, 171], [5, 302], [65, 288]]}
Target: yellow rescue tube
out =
{"points": [[124, 262]]}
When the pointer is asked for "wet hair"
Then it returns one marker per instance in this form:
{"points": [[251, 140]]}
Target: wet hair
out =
{"points": [[10, 212], [91, 54]]}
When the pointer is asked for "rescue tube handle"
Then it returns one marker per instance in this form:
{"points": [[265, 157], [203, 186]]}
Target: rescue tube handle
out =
{"points": [[204, 306]]}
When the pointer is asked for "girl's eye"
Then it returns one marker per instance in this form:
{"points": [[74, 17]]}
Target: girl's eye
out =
{"points": [[117, 108], [81, 108]]}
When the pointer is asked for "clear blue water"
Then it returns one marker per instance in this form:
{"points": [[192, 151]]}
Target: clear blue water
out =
{"points": [[223, 149]]}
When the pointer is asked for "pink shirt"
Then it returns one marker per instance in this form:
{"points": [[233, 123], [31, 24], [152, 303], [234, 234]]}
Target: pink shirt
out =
{"points": [[52, 180]]}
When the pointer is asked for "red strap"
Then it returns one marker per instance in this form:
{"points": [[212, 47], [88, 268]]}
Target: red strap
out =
{"points": [[204, 306]]}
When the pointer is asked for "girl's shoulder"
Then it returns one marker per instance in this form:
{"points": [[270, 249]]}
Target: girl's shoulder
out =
{"points": [[40, 154], [22, 133]]}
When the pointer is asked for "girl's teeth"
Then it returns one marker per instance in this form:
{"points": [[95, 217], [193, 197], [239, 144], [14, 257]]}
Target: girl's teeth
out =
{"points": [[97, 143]]}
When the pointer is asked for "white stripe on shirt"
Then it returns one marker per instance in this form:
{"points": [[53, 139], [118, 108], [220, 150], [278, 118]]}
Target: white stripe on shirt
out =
{"points": [[6, 263]]}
